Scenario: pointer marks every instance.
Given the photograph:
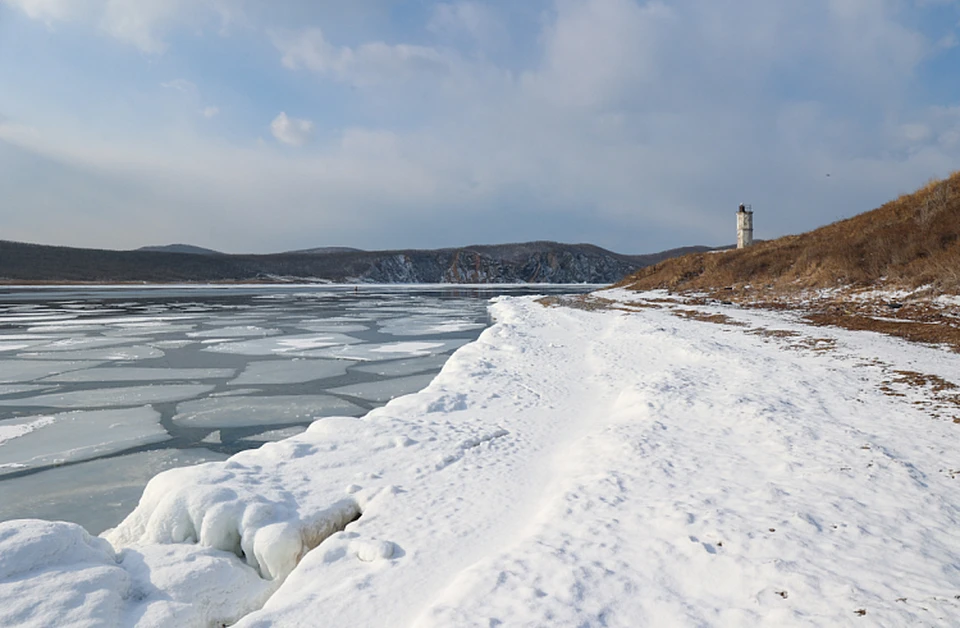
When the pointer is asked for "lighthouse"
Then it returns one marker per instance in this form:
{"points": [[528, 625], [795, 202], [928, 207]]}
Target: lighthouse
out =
{"points": [[744, 226]]}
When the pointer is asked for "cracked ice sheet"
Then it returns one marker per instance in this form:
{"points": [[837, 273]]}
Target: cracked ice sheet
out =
{"points": [[427, 325], [601, 468], [400, 368], [37, 441], [107, 397], [293, 344], [289, 371], [241, 331], [113, 354], [249, 411], [386, 389], [391, 350], [136, 374], [16, 371], [96, 494]]}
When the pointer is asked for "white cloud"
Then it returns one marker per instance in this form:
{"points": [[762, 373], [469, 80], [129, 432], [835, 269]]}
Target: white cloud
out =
{"points": [[291, 131], [210, 112], [368, 64], [141, 23], [467, 18], [181, 85]]}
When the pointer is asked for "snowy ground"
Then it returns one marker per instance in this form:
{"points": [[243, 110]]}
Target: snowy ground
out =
{"points": [[632, 462]]}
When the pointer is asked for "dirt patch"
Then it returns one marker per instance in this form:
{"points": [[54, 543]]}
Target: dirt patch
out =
{"points": [[720, 319]]}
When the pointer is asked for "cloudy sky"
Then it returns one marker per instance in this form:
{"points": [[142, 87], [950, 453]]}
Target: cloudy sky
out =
{"points": [[255, 126]]}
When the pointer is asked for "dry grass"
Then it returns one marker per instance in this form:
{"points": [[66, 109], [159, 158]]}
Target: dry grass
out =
{"points": [[909, 242]]}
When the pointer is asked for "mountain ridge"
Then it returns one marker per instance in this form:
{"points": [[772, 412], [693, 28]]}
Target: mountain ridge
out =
{"points": [[527, 262]]}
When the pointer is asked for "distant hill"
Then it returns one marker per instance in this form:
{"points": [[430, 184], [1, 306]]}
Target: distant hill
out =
{"points": [[540, 262], [180, 248], [324, 250], [910, 242]]}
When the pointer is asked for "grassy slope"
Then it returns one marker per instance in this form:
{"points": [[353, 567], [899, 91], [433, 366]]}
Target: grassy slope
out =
{"points": [[909, 242]]}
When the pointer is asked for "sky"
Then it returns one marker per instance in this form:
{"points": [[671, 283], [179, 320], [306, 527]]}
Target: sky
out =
{"points": [[254, 126]]}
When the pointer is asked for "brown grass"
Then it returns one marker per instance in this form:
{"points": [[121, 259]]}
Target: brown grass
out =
{"points": [[910, 242]]}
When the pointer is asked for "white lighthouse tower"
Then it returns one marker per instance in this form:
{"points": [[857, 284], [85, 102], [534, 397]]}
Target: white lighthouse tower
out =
{"points": [[744, 226]]}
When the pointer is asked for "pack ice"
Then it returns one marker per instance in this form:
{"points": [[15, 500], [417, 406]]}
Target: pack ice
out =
{"points": [[627, 464]]}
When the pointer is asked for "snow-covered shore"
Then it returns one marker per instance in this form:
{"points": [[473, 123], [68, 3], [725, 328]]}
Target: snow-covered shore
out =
{"points": [[639, 462]]}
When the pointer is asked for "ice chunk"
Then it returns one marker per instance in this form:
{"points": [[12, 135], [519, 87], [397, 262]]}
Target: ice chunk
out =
{"points": [[136, 352], [245, 331], [17, 345], [387, 389], [36, 441], [111, 397], [12, 371], [325, 326], [399, 368], [290, 344], [171, 344], [22, 388], [289, 371], [428, 325], [248, 411], [136, 374], [391, 350], [275, 435], [82, 343], [96, 494]]}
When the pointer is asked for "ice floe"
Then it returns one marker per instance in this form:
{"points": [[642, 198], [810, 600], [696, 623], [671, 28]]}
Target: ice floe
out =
{"points": [[112, 397], [139, 374], [293, 344], [113, 354], [42, 440], [391, 350], [289, 371], [24, 370], [427, 325], [250, 411], [387, 389], [96, 494]]}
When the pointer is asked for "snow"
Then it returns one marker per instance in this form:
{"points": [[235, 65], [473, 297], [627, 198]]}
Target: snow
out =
{"points": [[289, 371], [41, 440], [112, 397], [569, 468], [225, 411]]}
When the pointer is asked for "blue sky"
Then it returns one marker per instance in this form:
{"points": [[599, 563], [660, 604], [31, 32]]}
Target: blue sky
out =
{"points": [[251, 126]]}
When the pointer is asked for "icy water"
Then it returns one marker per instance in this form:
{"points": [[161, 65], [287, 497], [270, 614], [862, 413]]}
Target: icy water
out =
{"points": [[101, 388]]}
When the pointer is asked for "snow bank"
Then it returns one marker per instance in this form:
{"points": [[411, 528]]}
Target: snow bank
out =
{"points": [[629, 463]]}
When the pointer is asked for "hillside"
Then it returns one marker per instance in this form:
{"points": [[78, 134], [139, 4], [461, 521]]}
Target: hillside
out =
{"points": [[540, 262], [907, 243], [180, 248]]}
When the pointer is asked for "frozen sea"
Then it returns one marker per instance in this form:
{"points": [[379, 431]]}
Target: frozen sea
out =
{"points": [[102, 388]]}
